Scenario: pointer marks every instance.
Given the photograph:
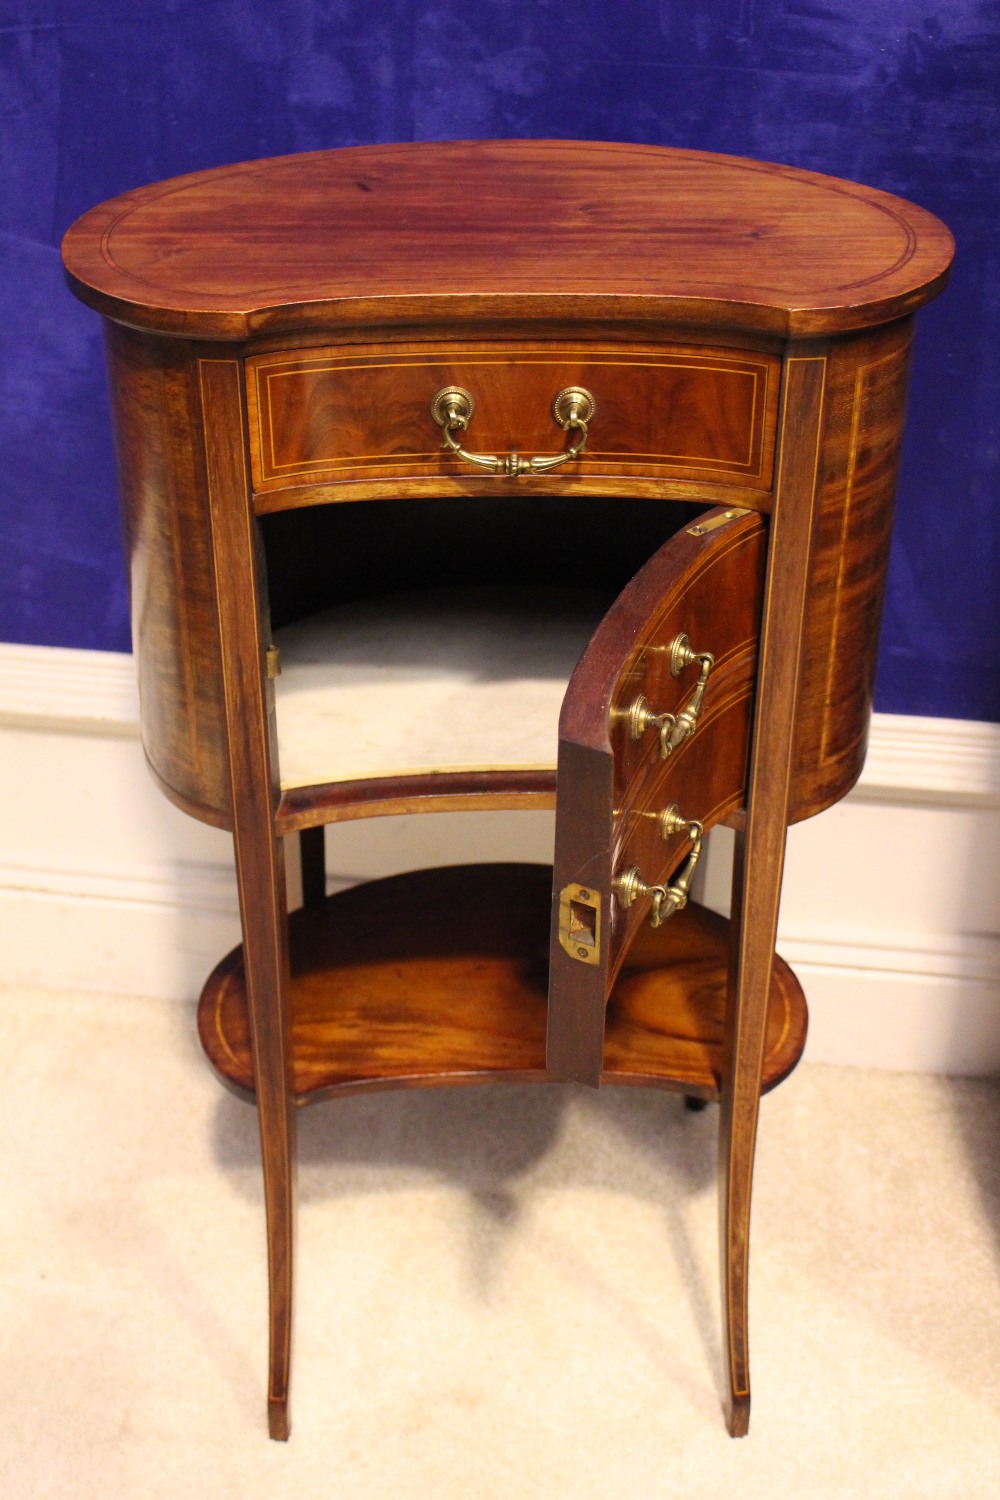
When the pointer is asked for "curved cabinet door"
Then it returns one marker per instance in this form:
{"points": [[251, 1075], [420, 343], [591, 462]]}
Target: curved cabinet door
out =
{"points": [[653, 747]]}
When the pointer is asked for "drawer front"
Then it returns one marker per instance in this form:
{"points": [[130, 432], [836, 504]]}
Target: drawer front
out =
{"points": [[347, 415]]}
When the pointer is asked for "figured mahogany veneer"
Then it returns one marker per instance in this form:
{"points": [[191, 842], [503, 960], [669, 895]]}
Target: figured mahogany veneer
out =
{"points": [[440, 977], [706, 586], [341, 415]]}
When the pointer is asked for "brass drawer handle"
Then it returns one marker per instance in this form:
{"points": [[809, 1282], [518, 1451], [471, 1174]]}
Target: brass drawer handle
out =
{"points": [[573, 409], [674, 728], [667, 899]]}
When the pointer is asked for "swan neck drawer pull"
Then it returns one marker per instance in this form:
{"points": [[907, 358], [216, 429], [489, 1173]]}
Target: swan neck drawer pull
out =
{"points": [[674, 728], [667, 899], [573, 409]]}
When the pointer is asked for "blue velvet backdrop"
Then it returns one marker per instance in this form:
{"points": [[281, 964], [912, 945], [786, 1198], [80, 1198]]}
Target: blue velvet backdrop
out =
{"points": [[97, 96]]}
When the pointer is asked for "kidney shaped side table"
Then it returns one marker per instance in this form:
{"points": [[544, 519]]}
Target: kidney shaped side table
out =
{"points": [[426, 449]]}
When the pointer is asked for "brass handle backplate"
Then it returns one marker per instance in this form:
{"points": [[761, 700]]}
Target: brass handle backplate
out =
{"points": [[573, 408], [674, 728], [667, 899]]}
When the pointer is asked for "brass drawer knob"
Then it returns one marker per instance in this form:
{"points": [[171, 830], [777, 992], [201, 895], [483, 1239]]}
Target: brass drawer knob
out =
{"points": [[573, 409], [674, 728], [667, 899]]}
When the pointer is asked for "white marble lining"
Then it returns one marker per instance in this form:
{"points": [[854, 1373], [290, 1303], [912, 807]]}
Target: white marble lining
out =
{"points": [[444, 680]]}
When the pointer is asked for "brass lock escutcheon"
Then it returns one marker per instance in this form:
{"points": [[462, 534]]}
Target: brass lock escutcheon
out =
{"points": [[674, 728], [667, 899], [573, 409]]}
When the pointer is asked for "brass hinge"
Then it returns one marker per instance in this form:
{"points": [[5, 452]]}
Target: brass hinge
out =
{"points": [[580, 923], [273, 660]]}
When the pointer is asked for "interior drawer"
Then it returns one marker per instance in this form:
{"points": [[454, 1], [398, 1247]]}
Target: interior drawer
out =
{"points": [[344, 415]]}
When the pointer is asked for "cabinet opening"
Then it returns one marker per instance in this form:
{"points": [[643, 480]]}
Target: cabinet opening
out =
{"points": [[438, 636]]}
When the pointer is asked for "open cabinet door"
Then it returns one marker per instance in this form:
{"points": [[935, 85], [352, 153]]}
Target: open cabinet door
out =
{"points": [[653, 750]]}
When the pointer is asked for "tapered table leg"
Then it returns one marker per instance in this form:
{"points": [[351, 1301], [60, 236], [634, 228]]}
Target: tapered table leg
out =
{"points": [[260, 867], [260, 872], [760, 851]]}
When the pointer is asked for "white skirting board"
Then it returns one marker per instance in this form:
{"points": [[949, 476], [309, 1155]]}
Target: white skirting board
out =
{"points": [[890, 913]]}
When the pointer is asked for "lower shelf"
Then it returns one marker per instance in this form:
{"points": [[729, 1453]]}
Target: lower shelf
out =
{"points": [[440, 976]]}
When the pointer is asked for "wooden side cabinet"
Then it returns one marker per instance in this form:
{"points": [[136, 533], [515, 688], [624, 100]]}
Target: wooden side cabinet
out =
{"points": [[507, 474]]}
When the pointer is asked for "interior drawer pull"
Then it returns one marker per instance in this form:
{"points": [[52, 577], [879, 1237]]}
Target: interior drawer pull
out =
{"points": [[573, 409], [667, 899], [674, 728]]}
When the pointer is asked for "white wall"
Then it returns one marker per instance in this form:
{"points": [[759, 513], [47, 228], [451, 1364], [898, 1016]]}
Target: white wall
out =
{"points": [[891, 911]]}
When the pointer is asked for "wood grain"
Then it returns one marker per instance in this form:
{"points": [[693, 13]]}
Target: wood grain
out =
{"points": [[499, 230], [440, 977], [341, 414], [448, 791], [168, 543], [862, 440]]}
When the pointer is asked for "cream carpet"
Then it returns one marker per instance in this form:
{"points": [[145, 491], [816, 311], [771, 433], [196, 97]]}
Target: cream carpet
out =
{"points": [[502, 1292]]}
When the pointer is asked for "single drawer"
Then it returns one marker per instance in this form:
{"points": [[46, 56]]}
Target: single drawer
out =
{"points": [[350, 415]]}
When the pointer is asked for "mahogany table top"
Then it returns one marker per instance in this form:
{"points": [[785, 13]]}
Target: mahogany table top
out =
{"points": [[505, 229]]}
